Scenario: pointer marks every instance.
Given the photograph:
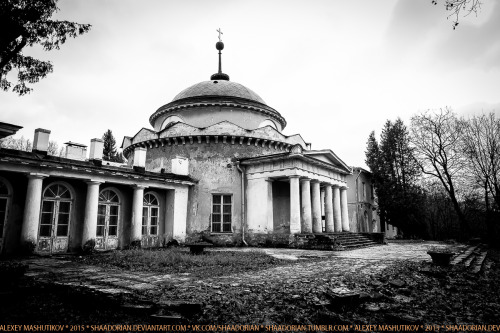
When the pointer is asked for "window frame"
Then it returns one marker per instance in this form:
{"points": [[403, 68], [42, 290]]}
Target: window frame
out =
{"points": [[107, 216], [56, 213], [221, 223], [146, 216]]}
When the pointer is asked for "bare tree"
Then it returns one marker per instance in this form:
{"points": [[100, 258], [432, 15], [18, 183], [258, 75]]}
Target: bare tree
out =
{"points": [[26, 145], [53, 148], [436, 138], [460, 6], [16, 143], [481, 146]]}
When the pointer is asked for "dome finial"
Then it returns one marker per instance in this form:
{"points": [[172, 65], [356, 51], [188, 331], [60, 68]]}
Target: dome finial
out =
{"points": [[220, 46]]}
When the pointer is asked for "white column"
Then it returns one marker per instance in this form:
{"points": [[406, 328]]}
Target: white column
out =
{"points": [[180, 213], [294, 205], [329, 226], [322, 200], [343, 209], [31, 217], [90, 218], [305, 211], [137, 204], [337, 221], [316, 207]]}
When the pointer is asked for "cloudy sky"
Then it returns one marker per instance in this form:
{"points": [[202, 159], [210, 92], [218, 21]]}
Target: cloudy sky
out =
{"points": [[336, 70]]}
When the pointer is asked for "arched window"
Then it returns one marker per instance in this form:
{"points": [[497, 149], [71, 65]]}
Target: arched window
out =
{"points": [[150, 215], [4, 204], [171, 120], [56, 211], [107, 219]]}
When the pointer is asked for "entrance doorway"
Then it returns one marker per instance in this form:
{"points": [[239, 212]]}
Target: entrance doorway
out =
{"points": [[55, 219], [108, 213], [150, 218]]}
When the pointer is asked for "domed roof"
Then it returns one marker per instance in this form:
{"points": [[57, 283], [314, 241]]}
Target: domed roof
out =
{"points": [[219, 88]]}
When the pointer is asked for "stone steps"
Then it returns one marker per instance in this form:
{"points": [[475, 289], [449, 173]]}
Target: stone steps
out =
{"points": [[354, 241], [473, 259], [340, 241]]}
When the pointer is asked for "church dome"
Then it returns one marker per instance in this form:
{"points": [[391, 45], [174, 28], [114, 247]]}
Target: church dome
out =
{"points": [[210, 102], [216, 88]]}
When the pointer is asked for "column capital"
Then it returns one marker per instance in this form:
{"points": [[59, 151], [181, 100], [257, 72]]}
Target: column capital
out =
{"points": [[139, 187], [293, 176], [305, 179], [36, 175], [94, 182], [315, 181]]}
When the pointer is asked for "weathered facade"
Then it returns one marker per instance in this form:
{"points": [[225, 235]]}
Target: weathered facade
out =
{"points": [[363, 206], [264, 182], [215, 166], [50, 204]]}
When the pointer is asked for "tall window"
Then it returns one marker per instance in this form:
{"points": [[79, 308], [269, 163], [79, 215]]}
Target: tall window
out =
{"points": [[4, 195], [107, 214], [150, 214], [56, 210], [364, 191], [221, 212]]}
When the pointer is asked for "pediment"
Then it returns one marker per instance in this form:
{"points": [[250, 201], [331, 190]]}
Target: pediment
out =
{"points": [[328, 156]]}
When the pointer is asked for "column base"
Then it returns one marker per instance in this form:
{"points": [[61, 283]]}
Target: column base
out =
{"points": [[28, 247], [89, 246], [137, 244]]}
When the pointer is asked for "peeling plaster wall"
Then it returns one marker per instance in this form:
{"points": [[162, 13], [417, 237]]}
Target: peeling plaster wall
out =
{"points": [[209, 115], [213, 165]]}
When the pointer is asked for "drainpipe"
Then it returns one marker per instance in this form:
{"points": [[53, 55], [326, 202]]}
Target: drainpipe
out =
{"points": [[357, 198], [243, 215]]}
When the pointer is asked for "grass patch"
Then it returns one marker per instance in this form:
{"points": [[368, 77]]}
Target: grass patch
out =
{"points": [[179, 260]]}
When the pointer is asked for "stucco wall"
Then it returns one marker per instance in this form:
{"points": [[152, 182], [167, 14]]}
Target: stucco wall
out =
{"points": [[357, 221], [209, 115], [213, 166]]}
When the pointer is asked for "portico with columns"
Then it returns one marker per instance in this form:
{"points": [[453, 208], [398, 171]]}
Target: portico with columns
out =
{"points": [[66, 204], [300, 192]]}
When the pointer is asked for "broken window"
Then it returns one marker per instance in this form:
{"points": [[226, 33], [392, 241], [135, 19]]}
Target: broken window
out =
{"points": [[150, 215], [56, 211], [221, 212], [107, 214]]}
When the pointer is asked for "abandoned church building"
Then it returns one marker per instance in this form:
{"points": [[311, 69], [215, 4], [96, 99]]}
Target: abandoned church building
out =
{"points": [[215, 166]]}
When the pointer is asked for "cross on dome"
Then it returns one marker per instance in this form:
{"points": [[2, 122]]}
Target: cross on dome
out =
{"points": [[219, 46], [220, 33]]}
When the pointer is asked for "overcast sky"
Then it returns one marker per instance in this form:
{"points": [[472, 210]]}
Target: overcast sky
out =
{"points": [[336, 70]]}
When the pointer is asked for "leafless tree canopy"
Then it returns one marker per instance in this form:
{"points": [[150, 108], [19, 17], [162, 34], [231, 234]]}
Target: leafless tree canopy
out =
{"points": [[481, 146], [26, 145], [436, 138], [458, 7]]}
